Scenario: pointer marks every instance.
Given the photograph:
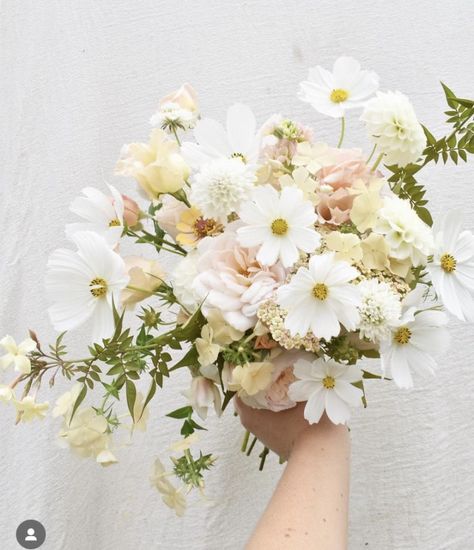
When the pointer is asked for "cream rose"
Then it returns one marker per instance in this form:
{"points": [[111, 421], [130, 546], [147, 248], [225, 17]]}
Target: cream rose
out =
{"points": [[145, 277]]}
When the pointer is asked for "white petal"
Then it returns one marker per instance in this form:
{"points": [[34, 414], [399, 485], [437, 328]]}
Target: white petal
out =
{"points": [[315, 407], [349, 393], [241, 128], [336, 409]]}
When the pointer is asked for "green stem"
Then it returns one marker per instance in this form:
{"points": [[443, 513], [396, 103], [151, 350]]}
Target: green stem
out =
{"points": [[343, 130], [377, 162], [252, 445], [263, 457], [176, 136], [371, 154], [245, 441]]}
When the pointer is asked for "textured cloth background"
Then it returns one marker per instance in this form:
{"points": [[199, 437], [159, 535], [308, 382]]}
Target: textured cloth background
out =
{"points": [[79, 79]]}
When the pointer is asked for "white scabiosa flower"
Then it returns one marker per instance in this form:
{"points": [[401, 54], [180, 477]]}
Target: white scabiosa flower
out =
{"points": [[239, 139], [380, 308], [220, 187], [452, 268], [102, 214], [280, 224], [17, 354], [172, 115], [320, 298], [85, 284], [326, 386], [391, 122], [406, 234], [346, 87], [415, 340]]}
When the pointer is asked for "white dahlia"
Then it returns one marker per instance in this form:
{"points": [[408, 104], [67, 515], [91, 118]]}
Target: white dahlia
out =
{"points": [[452, 268], [380, 308], [221, 186], [280, 224], [391, 122], [320, 298], [406, 234]]}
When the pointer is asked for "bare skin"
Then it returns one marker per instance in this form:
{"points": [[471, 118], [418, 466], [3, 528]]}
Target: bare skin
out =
{"points": [[309, 508]]}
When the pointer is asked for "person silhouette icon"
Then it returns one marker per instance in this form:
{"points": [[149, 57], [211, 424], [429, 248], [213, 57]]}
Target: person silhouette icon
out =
{"points": [[30, 535]]}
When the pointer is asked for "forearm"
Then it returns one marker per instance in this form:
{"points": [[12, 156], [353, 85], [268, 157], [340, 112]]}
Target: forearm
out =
{"points": [[309, 508]]}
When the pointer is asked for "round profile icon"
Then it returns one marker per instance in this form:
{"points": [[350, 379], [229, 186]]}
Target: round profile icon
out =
{"points": [[30, 534]]}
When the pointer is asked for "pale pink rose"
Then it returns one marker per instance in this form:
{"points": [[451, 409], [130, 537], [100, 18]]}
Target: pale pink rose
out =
{"points": [[169, 214], [203, 394], [335, 182], [275, 396], [265, 342], [185, 97], [131, 212], [145, 277], [232, 280]]}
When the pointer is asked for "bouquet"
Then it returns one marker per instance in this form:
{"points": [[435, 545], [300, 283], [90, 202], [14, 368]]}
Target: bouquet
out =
{"points": [[297, 263]]}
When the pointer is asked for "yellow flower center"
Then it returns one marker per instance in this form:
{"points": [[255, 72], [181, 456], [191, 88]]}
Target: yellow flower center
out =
{"points": [[279, 226], [98, 287], [403, 335], [329, 382], [114, 223], [320, 291], [339, 95], [239, 156], [448, 263]]}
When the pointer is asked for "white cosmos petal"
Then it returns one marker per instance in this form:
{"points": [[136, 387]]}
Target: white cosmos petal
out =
{"points": [[297, 323], [302, 369], [337, 410], [269, 251], [399, 367], [308, 240], [324, 323], [102, 321], [302, 389], [451, 227], [253, 235], [349, 393], [241, 128], [288, 253], [319, 266], [212, 138], [314, 407], [351, 373]]}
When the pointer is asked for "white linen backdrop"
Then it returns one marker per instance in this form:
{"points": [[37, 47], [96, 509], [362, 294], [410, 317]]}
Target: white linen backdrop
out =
{"points": [[81, 78]]}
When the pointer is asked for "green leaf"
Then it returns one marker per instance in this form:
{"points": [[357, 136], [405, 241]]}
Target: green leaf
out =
{"points": [[183, 412], [149, 397], [79, 400], [190, 359], [424, 214], [429, 136], [131, 392]]}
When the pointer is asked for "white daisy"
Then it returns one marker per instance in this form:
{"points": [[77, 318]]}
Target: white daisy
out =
{"points": [[345, 88], [380, 308], [391, 122], [103, 214], [452, 268], [320, 298], [239, 139], [326, 386], [282, 224], [417, 337], [85, 284], [220, 187], [17, 354]]}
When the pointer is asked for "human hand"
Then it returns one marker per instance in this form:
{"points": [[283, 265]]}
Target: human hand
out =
{"points": [[281, 431]]}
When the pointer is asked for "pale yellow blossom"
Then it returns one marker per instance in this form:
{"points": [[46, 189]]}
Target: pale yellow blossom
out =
{"points": [[375, 252], [367, 203], [185, 443], [313, 156], [251, 378], [17, 354], [301, 179], [345, 245], [29, 409]]}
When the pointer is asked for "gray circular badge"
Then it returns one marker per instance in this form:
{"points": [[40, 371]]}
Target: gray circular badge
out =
{"points": [[30, 534]]}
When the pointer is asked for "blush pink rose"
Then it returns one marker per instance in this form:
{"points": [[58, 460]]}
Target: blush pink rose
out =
{"points": [[231, 279], [335, 182], [168, 216], [275, 396], [131, 211]]}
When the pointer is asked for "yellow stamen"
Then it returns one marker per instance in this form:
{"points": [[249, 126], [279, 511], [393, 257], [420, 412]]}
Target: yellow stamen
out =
{"points": [[239, 156], [320, 291], [98, 287], [339, 95], [403, 335], [329, 382], [114, 223], [448, 263], [279, 227]]}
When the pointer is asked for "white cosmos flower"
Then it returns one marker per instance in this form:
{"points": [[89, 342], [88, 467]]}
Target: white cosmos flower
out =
{"points": [[282, 224], [221, 186], [320, 297], [452, 268], [326, 386], [346, 87], [391, 122], [103, 214], [84, 284], [380, 308], [406, 234], [238, 139], [17, 354], [417, 337]]}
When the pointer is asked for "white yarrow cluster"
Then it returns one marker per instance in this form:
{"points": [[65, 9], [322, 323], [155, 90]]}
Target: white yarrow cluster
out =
{"points": [[221, 186], [391, 122], [380, 308]]}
